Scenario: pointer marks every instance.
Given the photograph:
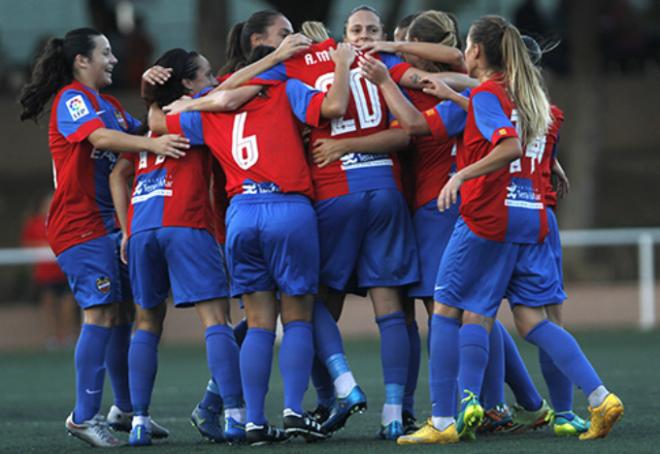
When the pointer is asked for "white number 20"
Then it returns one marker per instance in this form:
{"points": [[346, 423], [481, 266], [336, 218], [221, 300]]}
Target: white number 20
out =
{"points": [[243, 149]]}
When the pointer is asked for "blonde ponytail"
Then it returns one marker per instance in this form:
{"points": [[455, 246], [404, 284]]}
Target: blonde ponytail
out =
{"points": [[525, 86], [315, 31]]}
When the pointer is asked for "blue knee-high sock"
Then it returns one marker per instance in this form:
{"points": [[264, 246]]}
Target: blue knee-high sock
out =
{"points": [[516, 374], [473, 344], [211, 400], [394, 355], [116, 363], [443, 365], [142, 367], [327, 338], [415, 357], [325, 390], [493, 387], [296, 358], [256, 358], [240, 330], [89, 359], [560, 387], [565, 352], [222, 357], [394, 348]]}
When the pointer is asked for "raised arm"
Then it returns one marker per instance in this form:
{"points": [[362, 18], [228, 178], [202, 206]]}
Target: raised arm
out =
{"points": [[410, 119], [428, 51], [290, 46], [437, 87], [120, 181], [336, 101], [216, 101], [327, 151]]}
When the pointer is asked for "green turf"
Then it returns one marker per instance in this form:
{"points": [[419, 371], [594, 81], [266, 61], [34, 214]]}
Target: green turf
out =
{"points": [[37, 393]]}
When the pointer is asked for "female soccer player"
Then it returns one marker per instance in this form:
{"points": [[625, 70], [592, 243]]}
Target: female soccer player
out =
{"points": [[86, 131], [171, 246], [270, 189], [498, 248]]}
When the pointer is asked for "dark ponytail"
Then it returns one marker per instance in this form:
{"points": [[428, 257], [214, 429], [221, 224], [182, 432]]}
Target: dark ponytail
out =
{"points": [[54, 69], [239, 40], [184, 65]]}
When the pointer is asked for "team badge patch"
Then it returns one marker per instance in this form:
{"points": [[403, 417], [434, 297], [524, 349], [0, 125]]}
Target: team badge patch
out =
{"points": [[502, 131], [120, 120], [103, 284], [77, 108]]}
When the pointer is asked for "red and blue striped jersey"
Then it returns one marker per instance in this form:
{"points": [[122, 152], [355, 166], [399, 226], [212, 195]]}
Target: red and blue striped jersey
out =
{"points": [[549, 155], [507, 204], [259, 146], [82, 207], [366, 114]]}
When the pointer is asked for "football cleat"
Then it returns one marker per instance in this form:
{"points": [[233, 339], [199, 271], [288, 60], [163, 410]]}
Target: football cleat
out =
{"points": [[409, 423], [603, 418], [121, 422], [496, 420], [94, 431], [343, 408], [568, 424], [140, 436], [320, 414], [208, 424], [428, 434], [524, 420], [470, 417], [259, 435], [302, 425], [392, 431], [234, 430]]}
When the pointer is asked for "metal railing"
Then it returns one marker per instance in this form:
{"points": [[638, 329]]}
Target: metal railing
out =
{"points": [[644, 238]]}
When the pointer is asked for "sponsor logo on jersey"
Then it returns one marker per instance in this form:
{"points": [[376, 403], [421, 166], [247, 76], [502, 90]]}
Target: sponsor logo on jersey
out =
{"points": [[103, 284], [352, 161], [149, 187], [76, 107], [520, 194], [251, 187]]}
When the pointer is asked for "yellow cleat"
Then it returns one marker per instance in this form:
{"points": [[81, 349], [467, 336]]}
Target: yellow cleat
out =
{"points": [[428, 434], [603, 418]]}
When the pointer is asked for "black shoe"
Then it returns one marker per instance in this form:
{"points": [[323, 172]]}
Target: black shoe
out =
{"points": [[265, 434], [409, 423], [304, 426], [320, 414]]}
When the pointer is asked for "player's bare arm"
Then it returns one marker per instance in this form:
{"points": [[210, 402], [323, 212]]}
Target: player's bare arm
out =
{"points": [[120, 180], [170, 145], [428, 51], [327, 151], [336, 101]]}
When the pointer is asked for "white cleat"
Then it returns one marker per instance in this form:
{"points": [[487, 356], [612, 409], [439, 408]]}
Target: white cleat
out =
{"points": [[121, 421], [95, 432]]}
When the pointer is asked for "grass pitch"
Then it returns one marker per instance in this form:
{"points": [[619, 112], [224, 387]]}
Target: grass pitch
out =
{"points": [[37, 393]]}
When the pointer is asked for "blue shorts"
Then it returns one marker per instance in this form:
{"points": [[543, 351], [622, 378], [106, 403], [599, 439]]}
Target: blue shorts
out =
{"points": [[432, 232], [184, 259], [476, 274], [272, 244], [370, 234], [555, 245], [95, 273]]}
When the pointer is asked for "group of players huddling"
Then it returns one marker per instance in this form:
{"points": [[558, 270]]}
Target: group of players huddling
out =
{"points": [[306, 170]]}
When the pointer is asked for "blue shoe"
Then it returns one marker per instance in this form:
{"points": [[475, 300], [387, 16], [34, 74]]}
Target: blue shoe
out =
{"points": [[140, 436], [568, 424], [234, 431], [392, 431], [343, 408], [208, 424]]}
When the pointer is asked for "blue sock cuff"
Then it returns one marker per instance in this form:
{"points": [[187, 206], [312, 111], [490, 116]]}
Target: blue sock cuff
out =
{"points": [[474, 335], [145, 337], [96, 328], [219, 329], [534, 330], [299, 324], [443, 319], [233, 401], [337, 365], [394, 393], [391, 319], [261, 332]]}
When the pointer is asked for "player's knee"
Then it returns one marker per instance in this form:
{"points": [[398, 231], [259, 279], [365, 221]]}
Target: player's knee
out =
{"points": [[151, 320], [297, 309], [446, 311], [213, 312]]}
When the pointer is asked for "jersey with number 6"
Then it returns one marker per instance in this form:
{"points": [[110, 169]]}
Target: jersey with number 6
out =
{"points": [[259, 146], [506, 204], [366, 114]]}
